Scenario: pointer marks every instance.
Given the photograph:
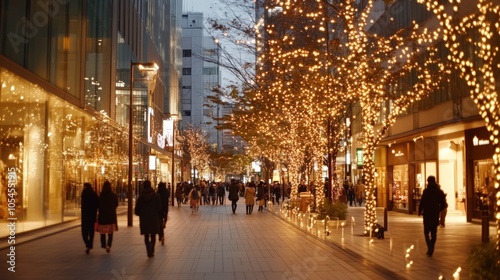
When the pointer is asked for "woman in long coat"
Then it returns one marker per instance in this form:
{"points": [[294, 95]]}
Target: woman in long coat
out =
{"points": [[261, 196], [148, 208], [90, 205], [233, 195], [108, 202], [164, 198], [250, 197]]}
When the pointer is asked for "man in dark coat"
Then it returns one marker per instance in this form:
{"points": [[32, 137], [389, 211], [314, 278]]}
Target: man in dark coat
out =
{"points": [[90, 204], [221, 193], [233, 194], [164, 194], [432, 202], [148, 207]]}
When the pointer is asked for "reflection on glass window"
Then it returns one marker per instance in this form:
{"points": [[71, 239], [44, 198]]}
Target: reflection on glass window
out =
{"points": [[484, 186], [400, 186]]}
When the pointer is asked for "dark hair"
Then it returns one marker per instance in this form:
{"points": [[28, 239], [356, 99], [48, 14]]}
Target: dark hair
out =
{"points": [[162, 186], [87, 185], [106, 187], [431, 180], [147, 184]]}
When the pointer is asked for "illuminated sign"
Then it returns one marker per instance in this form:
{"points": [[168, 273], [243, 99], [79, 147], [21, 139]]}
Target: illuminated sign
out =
{"points": [[151, 113], [152, 162], [399, 154], [168, 132], [480, 142], [359, 156], [160, 141]]}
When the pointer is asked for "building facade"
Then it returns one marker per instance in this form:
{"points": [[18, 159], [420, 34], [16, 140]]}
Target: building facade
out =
{"points": [[441, 135], [200, 74], [64, 99]]}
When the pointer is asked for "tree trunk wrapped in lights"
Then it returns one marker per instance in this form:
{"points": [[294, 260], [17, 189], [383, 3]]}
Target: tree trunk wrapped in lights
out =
{"points": [[196, 149], [393, 70], [477, 30]]}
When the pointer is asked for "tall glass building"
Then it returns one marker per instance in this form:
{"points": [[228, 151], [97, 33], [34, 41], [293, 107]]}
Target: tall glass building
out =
{"points": [[65, 101]]}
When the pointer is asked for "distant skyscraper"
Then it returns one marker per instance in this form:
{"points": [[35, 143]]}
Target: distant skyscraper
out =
{"points": [[200, 74]]}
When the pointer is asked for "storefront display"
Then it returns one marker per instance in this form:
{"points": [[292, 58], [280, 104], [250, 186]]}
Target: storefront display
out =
{"points": [[48, 149], [480, 170], [400, 186]]}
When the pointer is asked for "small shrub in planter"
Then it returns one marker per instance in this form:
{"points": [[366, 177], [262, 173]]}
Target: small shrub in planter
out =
{"points": [[484, 262], [334, 210]]}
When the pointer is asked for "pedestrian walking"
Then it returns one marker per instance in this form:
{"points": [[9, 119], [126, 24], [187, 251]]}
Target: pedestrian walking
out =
{"points": [[204, 193], [277, 193], [221, 193], [261, 196], [164, 194], [194, 199], [352, 194], [107, 221], [211, 193], [250, 197], [233, 195], [178, 195], [148, 208], [432, 203], [89, 206], [360, 192]]}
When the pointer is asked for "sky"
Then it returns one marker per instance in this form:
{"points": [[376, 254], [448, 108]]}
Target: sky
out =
{"points": [[211, 9], [199, 6]]}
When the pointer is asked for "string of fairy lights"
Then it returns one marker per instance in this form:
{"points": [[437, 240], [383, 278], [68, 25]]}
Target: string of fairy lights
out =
{"points": [[311, 66], [479, 31], [316, 59], [197, 150]]}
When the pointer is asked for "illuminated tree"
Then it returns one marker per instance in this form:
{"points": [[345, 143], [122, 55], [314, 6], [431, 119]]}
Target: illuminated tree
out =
{"points": [[229, 163], [294, 111], [196, 150], [472, 35], [391, 72]]}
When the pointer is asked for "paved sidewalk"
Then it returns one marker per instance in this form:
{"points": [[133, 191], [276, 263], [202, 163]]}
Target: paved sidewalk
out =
{"points": [[403, 249], [216, 244]]}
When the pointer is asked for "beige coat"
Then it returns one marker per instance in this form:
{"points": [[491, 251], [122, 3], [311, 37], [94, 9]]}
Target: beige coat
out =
{"points": [[360, 191], [250, 196]]}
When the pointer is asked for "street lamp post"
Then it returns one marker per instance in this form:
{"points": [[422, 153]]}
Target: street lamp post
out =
{"points": [[173, 160], [173, 117], [151, 69]]}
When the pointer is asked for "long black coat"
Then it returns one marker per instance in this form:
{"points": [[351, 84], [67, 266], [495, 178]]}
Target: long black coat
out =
{"points": [[432, 202], [108, 202], [90, 204], [233, 192], [148, 207], [164, 198]]}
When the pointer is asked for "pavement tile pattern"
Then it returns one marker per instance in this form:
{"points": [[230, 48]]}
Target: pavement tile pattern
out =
{"points": [[215, 244]]}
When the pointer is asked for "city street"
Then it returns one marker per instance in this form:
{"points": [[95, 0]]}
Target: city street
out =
{"points": [[216, 244]]}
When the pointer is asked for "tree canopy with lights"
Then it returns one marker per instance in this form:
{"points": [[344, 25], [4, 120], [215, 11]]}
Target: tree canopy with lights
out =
{"points": [[472, 35], [391, 72]]}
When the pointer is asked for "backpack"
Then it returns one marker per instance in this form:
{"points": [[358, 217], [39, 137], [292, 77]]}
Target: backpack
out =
{"points": [[195, 194]]}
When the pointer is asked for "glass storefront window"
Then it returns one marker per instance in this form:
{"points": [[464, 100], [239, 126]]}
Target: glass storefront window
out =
{"points": [[484, 186], [380, 188], [48, 149], [400, 186]]}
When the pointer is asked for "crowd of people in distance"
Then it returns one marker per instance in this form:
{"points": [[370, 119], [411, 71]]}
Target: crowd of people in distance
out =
{"points": [[98, 211], [217, 193]]}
